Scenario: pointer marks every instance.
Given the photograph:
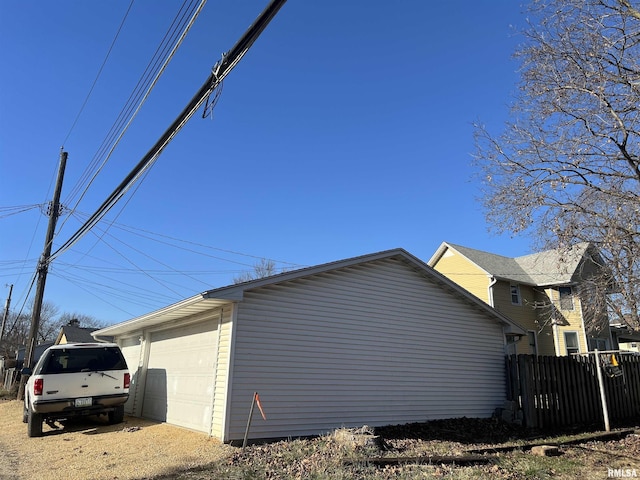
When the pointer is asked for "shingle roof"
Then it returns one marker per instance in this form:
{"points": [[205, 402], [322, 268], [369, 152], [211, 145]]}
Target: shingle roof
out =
{"points": [[77, 334], [551, 267], [554, 267]]}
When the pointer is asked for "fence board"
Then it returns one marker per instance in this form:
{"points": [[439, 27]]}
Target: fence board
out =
{"points": [[561, 391]]}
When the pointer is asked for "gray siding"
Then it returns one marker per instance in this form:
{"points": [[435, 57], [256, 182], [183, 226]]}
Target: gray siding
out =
{"points": [[376, 343], [221, 375]]}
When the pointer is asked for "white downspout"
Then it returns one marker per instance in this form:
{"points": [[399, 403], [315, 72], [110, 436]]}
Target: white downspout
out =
{"points": [[554, 327], [584, 328], [492, 282]]}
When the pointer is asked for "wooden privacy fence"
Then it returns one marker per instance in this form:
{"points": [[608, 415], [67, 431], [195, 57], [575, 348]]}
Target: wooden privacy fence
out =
{"points": [[561, 391]]}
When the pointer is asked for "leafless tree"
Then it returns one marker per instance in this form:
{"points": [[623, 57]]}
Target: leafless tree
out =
{"points": [[18, 325], [264, 268], [566, 167]]}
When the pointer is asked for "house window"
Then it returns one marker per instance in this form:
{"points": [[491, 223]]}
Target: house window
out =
{"points": [[571, 342], [515, 294], [566, 298], [533, 341]]}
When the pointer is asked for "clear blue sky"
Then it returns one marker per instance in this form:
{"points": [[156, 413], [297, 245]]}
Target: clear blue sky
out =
{"points": [[345, 130]]}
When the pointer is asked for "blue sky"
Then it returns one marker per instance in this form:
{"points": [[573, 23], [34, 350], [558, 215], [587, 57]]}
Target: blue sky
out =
{"points": [[346, 130]]}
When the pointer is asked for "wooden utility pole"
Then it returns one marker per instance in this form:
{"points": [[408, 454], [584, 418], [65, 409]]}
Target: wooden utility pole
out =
{"points": [[5, 316], [43, 268]]}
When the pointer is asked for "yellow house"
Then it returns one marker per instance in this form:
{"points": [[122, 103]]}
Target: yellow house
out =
{"points": [[540, 292]]}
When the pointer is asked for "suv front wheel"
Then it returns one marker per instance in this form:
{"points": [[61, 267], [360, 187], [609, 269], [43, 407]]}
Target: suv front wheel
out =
{"points": [[34, 423]]}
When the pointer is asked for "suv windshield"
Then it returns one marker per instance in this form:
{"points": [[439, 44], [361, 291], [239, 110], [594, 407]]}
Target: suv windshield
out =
{"points": [[75, 360]]}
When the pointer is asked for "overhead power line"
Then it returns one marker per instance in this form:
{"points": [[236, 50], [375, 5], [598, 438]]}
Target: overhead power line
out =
{"points": [[8, 211], [104, 62], [165, 51], [220, 71]]}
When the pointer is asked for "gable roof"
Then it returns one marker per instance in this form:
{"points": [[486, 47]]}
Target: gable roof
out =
{"points": [[232, 293], [75, 334], [551, 267]]}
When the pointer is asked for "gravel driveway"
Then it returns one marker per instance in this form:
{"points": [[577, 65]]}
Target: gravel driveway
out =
{"points": [[90, 449]]}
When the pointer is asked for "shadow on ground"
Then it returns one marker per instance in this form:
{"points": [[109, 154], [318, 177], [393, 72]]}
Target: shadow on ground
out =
{"points": [[478, 430]]}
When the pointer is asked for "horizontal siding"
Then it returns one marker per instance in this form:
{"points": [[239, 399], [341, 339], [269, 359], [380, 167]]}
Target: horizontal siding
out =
{"points": [[526, 316], [377, 343], [568, 321], [221, 372], [465, 273]]}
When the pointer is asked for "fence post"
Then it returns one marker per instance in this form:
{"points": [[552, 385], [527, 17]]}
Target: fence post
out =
{"points": [[246, 432], [603, 395]]}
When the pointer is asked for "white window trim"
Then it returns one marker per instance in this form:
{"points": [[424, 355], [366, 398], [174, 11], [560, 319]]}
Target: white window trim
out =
{"points": [[577, 334]]}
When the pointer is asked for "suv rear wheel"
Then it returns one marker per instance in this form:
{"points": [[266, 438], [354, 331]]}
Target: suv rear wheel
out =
{"points": [[34, 424], [117, 415]]}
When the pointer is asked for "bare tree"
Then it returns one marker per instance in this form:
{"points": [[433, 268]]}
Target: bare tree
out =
{"points": [[264, 268], [83, 320], [18, 326], [566, 168]]}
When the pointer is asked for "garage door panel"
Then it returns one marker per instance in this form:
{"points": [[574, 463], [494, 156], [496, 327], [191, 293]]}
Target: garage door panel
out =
{"points": [[180, 376]]}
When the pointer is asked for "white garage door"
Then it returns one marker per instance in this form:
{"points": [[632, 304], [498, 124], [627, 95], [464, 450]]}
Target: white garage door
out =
{"points": [[180, 376], [131, 350]]}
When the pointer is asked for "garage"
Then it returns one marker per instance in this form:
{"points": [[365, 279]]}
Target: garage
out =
{"points": [[179, 383], [377, 340]]}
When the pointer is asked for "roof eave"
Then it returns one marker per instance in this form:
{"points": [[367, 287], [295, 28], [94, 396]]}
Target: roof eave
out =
{"points": [[188, 307]]}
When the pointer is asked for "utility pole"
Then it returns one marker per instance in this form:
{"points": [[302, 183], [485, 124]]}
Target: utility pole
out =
{"points": [[6, 312], [43, 268]]}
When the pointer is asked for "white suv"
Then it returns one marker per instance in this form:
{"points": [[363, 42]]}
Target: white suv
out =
{"points": [[76, 379]]}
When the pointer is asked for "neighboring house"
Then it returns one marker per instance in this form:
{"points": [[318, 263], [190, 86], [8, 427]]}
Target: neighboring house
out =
{"points": [[540, 292], [378, 339], [625, 339], [72, 332]]}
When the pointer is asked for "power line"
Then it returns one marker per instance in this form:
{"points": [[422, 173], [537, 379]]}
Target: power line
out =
{"points": [[9, 211], [183, 20], [134, 231], [220, 71], [104, 62]]}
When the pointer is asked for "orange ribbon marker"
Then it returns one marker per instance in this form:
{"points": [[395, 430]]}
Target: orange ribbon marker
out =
{"points": [[260, 406]]}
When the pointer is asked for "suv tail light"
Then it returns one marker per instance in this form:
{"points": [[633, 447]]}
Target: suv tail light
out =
{"points": [[127, 380], [38, 386]]}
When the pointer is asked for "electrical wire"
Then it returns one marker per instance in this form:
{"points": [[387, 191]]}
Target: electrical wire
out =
{"points": [[227, 63], [9, 211], [119, 295], [95, 81], [149, 235], [182, 22]]}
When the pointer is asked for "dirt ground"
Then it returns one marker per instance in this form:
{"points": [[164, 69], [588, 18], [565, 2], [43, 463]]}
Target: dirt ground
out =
{"points": [[89, 449]]}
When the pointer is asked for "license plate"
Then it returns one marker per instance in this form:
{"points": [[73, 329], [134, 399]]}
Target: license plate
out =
{"points": [[83, 402]]}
